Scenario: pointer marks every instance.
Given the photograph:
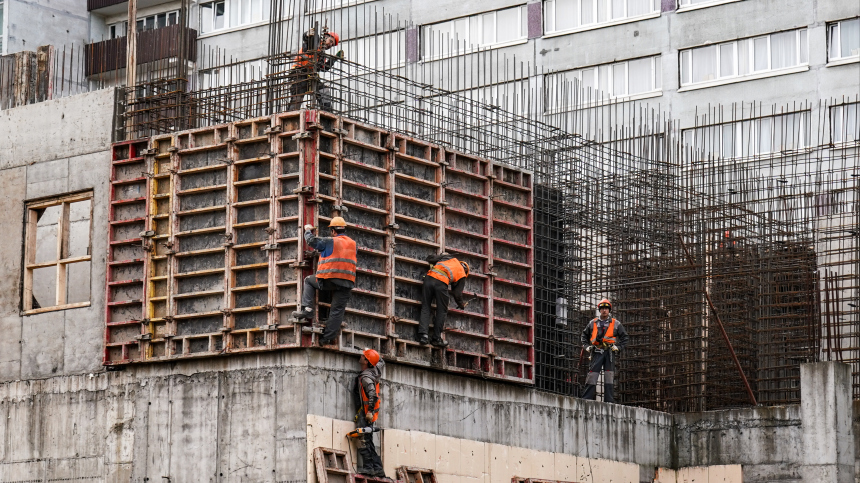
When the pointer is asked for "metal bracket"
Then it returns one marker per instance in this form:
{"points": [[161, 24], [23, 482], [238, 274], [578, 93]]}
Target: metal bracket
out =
{"points": [[392, 226], [272, 129], [301, 135], [172, 149], [226, 161], [341, 208], [147, 234], [270, 247], [147, 336], [228, 240], [304, 190], [340, 132], [230, 139], [299, 265]]}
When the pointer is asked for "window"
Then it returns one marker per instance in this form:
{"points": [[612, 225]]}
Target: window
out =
{"points": [[606, 81], [845, 123], [565, 15], [742, 58], [2, 21], [57, 253], [323, 5], [468, 33], [228, 14], [843, 40], [150, 22], [739, 139], [382, 51]]}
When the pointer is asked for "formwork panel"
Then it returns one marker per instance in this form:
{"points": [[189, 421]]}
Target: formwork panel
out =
{"points": [[209, 257]]}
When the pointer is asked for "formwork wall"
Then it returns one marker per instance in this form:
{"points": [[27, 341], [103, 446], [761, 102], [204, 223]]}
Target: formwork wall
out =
{"points": [[206, 255]]}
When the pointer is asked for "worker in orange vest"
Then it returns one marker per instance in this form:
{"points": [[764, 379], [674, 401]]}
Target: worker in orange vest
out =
{"points": [[308, 64], [446, 271], [603, 339], [335, 273], [368, 401]]}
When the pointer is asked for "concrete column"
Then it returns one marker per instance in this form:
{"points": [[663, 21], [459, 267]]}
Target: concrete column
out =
{"points": [[826, 412]]}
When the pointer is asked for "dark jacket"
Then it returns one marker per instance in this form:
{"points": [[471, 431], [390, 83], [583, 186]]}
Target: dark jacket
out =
{"points": [[456, 289], [315, 56], [621, 336], [368, 379]]}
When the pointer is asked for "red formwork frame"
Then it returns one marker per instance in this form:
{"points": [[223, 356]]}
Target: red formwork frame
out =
{"points": [[199, 297]]}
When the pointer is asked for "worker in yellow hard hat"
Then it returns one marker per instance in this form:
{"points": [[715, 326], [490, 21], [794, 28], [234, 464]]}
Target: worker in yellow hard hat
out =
{"points": [[369, 401], [335, 273], [445, 271], [603, 338]]}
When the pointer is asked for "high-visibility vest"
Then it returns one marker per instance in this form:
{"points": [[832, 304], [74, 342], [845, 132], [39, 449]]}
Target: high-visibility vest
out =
{"points": [[448, 272], [608, 338], [365, 401], [341, 263], [305, 60]]}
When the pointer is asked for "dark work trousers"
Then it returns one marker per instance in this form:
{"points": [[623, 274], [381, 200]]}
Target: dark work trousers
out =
{"points": [[600, 359], [370, 459], [304, 81], [433, 290], [339, 299]]}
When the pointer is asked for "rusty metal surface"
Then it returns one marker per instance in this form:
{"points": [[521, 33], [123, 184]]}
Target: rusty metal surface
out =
{"points": [[412, 474], [152, 45], [220, 210]]}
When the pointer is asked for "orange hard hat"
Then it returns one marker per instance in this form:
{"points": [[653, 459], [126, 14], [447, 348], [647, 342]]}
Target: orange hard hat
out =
{"points": [[335, 36], [372, 356], [604, 302], [465, 267]]}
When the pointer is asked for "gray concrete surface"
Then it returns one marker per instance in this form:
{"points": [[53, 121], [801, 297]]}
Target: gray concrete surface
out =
{"points": [[32, 23], [50, 149]]}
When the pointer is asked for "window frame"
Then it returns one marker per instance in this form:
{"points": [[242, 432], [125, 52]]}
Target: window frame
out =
{"points": [[228, 11], [470, 47], [681, 7], [30, 248], [656, 62], [685, 60], [840, 59], [336, 5], [347, 45], [753, 141], [841, 116], [596, 24]]}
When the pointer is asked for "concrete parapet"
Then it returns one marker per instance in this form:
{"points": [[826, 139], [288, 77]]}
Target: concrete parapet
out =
{"points": [[827, 414]]}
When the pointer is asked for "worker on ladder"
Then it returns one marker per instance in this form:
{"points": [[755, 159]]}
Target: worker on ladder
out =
{"points": [[368, 401], [446, 271], [308, 64], [335, 274], [603, 339]]}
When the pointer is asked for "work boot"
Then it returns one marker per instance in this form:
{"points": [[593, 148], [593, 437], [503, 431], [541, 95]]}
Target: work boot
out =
{"points": [[438, 342], [590, 392], [423, 339], [608, 395], [366, 470], [306, 313]]}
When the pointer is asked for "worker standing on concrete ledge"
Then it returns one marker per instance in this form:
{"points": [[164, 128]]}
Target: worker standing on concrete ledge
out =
{"points": [[309, 63], [368, 402], [445, 271], [335, 273], [603, 339]]}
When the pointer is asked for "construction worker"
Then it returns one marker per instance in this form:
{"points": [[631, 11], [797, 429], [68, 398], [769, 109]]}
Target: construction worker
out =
{"points": [[445, 271], [310, 61], [335, 273], [368, 402], [603, 339]]}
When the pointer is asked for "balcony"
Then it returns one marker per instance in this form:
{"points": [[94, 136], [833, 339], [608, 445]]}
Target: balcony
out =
{"points": [[152, 45], [112, 7]]}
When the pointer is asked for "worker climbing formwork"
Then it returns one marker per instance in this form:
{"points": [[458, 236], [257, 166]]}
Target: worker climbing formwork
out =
{"points": [[304, 77], [336, 271], [446, 271]]}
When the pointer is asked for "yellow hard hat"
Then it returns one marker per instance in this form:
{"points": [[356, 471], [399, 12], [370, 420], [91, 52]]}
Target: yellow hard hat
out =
{"points": [[337, 222]]}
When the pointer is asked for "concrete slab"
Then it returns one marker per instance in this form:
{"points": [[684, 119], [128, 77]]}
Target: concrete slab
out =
{"points": [[472, 458], [564, 467], [396, 449], [423, 449], [694, 474], [10, 348], [448, 455], [666, 475], [725, 474], [13, 189]]}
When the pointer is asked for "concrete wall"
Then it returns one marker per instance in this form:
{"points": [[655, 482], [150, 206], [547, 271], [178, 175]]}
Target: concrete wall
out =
{"points": [[32, 23], [49, 149]]}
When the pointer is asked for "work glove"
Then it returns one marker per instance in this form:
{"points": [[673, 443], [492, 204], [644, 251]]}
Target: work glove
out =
{"points": [[339, 54], [309, 228], [589, 348], [368, 417], [614, 348]]}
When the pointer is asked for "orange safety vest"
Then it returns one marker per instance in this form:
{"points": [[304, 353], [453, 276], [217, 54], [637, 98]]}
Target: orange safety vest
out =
{"points": [[448, 272], [341, 263], [365, 400], [304, 60], [608, 338]]}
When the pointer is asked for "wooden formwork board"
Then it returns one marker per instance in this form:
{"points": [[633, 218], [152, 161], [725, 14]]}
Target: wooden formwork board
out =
{"points": [[411, 474], [332, 466], [211, 222]]}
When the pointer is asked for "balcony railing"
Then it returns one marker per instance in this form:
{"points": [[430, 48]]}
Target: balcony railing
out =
{"points": [[152, 45], [96, 4]]}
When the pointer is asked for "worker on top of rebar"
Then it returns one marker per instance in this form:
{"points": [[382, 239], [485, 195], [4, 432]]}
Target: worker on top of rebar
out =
{"points": [[310, 61], [445, 271], [335, 274], [603, 339], [368, 400]]}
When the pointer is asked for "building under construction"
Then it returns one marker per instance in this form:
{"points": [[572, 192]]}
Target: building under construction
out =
{"points": [[154, 258]]}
